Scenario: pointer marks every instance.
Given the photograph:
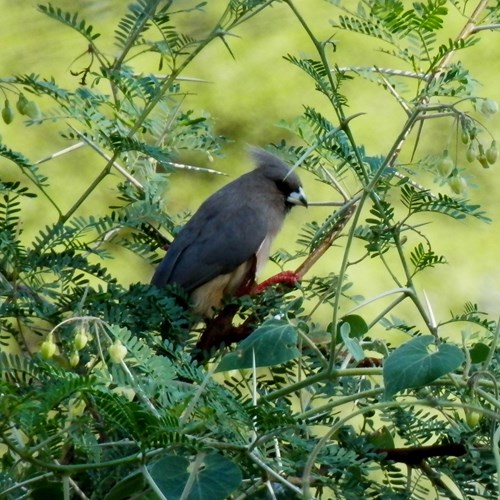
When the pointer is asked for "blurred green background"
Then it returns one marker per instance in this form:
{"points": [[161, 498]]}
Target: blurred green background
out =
{"points": [[247, 96]]}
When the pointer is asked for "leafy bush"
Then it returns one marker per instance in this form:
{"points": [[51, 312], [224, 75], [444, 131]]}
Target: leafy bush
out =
{"points": [[100, 395]]}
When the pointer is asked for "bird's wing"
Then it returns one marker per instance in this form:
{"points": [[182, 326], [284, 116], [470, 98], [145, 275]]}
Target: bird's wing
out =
{"points": [[211, 244]]}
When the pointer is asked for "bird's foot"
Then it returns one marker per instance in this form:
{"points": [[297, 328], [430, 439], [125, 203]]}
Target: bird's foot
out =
{"points": [[285, 277]]}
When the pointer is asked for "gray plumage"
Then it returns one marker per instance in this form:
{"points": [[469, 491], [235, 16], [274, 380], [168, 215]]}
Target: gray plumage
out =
{"points": [[230, 232]]}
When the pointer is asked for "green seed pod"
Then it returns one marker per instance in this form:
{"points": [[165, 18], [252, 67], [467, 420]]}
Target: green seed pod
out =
{"points": [[473, 417], [117, 351], [48, 347], [445, 165], [74, 359], [7, 112], [492, 153], [21, 104], [32, 110], [482, 157], [465, 136], [81, 338], [457, 184], [471, 154]]}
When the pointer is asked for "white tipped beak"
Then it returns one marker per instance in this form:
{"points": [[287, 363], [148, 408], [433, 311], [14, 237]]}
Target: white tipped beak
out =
{"points": [[297, 198]]}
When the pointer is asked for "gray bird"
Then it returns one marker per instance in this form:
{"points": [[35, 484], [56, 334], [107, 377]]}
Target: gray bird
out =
{"points": [[231, 233]]}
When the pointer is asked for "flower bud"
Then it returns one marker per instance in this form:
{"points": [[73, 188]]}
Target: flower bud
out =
{"points": [[117, 351], [488, 107]]}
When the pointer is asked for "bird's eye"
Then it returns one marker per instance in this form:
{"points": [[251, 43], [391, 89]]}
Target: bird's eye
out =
{"points": [[283, 187]]}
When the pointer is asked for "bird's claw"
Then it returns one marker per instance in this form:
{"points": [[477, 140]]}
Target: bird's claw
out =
{"points": [[285, 277]]}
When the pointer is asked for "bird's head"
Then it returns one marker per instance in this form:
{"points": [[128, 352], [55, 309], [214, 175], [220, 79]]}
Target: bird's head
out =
{"points": [[285, 179]]}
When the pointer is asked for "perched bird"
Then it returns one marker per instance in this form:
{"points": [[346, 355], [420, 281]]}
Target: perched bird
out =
{"points": [[230, 235]]}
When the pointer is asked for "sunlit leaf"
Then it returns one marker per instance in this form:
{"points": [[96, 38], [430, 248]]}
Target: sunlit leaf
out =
{"points": [[273, 343], [419, 362]]}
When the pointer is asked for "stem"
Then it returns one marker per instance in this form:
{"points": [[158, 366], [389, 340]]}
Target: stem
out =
{"points": [[318, 377], [68, 469], [88, 191], [274, 474], [152, 483], [146, 16]]}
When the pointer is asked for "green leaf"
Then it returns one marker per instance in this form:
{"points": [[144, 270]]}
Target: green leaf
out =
{"points": [[479, 352], [131, 484], [381, 438], [273, 343], [211, 477], [352, 344], [357, 325], [414, 364]]}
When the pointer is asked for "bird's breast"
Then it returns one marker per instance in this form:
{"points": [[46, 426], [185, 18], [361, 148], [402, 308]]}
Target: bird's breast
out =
{"points": [[209, 296]]}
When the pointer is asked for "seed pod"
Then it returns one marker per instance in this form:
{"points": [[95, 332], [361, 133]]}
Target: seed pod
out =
{"points": [[457, 184], [74, 359], [465, 136], [32, 110], [21, 104], [117, 351], [7, 112], [471, 154], [473, 417], [445, 165], [492, 153], [481, 157], [81, 338], [48, 347]]}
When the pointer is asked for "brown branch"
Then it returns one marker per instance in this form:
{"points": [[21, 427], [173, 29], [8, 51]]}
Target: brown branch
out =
{"points": [[414, 456], [327, 242]]}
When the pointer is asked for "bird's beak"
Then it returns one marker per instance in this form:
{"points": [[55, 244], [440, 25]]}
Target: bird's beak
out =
{"points": [[297, 198]]}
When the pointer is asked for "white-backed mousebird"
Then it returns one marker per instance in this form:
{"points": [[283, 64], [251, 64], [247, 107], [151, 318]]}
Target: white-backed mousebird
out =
{"points": [[231, 233]]}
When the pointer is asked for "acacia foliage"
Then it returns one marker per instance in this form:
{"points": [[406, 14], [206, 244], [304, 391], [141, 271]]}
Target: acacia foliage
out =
{"points": [[96, 403]]}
